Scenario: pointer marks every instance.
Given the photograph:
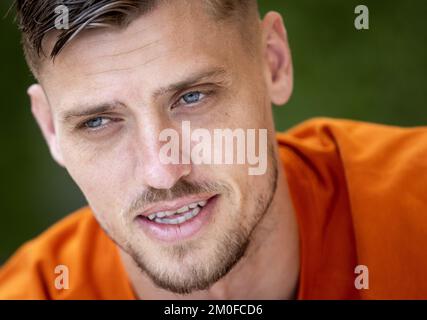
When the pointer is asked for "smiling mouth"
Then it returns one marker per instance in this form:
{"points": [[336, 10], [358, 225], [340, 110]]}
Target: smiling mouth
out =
{"points": [[178, 216], [176, 223]]}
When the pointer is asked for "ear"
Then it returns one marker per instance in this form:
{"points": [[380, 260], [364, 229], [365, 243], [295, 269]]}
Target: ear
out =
{"points": [[278, 60], [43, 115]]}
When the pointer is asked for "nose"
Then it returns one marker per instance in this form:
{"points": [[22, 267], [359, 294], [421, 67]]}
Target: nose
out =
{"points": [[155, 172]]}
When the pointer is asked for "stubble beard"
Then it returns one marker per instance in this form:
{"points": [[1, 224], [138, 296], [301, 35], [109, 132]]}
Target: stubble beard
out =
{"points": [[181, 272]]}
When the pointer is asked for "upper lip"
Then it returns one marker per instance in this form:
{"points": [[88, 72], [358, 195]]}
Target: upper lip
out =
{"points": [[174, 205]]}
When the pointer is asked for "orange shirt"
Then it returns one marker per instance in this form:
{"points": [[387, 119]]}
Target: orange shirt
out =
{"points": [[360, 195]]}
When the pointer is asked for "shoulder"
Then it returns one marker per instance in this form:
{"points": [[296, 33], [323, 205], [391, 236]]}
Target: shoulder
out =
{"points": [[358, 147], [31, 272], [380, 173], [321, 133]]}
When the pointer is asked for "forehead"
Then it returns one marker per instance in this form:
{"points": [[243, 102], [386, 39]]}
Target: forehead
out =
{"points": [[164, 44]]}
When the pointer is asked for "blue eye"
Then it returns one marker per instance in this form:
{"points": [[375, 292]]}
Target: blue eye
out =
{"points": [[192, 97], [96, 122]]}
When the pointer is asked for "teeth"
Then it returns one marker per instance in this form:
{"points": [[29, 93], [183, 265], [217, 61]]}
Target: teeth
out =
{"points": [[195, 211], [169, 213], [192, 208], [181, 219], [161, 214], [183, 209]]}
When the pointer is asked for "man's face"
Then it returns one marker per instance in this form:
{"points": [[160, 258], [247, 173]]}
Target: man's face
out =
{"points": [[172, 65]]}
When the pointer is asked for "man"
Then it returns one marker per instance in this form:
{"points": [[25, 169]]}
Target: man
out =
{"points": [[339, 211]]}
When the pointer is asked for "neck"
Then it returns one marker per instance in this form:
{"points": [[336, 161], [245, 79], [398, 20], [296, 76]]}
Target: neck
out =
{"points": [[269, 269]]}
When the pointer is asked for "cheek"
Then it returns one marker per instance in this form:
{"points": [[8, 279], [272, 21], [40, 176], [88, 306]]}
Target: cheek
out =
{"points": [[102, 175]]}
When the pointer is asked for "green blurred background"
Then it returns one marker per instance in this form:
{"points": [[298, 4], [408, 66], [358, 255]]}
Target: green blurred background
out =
{"points": [[377, 75]]}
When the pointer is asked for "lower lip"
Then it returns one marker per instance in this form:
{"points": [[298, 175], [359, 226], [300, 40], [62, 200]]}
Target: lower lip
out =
{"points": [[178, 232]]}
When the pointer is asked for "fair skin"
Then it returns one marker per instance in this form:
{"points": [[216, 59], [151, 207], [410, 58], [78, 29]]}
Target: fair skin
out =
{"points": [[117, 162]]}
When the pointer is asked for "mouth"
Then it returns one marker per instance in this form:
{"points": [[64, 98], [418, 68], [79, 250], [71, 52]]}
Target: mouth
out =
{"points": [[181, 220], [178, 216]]}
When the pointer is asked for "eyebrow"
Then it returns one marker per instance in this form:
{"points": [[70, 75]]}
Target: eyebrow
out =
{"points": [[192, 79], [83, 111]]}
